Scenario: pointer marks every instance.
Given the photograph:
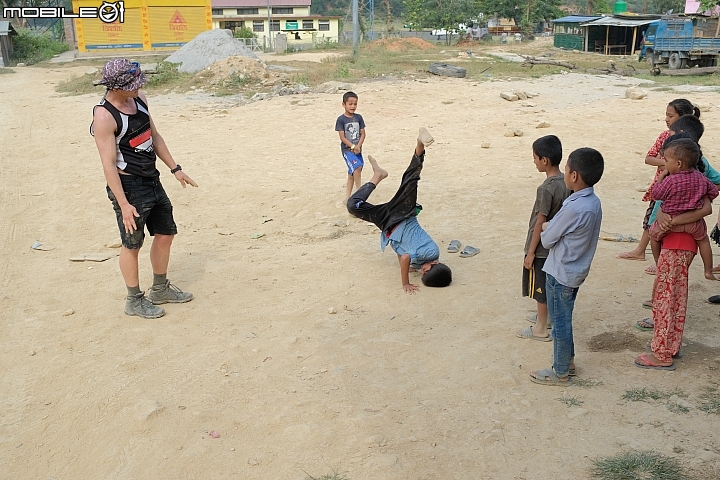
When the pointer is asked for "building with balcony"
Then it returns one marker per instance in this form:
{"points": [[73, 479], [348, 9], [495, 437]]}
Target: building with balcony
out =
{"points": [[271, 17]]}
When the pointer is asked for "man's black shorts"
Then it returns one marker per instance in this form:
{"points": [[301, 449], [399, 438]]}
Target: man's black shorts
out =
{"points": [[152, 204]]}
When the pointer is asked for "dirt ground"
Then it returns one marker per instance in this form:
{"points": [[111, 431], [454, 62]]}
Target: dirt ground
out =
{"points": [[388, 386]]}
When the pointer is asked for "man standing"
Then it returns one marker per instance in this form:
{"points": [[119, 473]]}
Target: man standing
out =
{"points": [[128, 143]]}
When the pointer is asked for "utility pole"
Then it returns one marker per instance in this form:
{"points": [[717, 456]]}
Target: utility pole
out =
{"points": [[356, 27], [270, 43]]}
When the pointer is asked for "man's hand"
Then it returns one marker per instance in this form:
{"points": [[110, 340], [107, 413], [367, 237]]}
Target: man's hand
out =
{"points": [[184, 179], [410, 288], [129, 213], [528, 262]]}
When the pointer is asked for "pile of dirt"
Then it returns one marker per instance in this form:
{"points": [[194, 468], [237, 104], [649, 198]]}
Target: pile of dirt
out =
{"points": [[240, 66], [206, 49], [401, 44]]}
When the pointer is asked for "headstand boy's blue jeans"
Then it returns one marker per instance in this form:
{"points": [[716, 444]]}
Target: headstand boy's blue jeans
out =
{"points": [[560, 302]]}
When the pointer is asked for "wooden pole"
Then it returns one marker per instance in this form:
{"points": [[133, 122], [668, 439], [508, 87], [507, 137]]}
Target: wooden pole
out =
{"points": [[632, 50], [607, 38]]}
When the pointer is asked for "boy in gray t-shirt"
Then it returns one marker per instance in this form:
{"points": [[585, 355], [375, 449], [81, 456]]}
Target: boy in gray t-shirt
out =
{"points": [[351, 129], [547, 153]]}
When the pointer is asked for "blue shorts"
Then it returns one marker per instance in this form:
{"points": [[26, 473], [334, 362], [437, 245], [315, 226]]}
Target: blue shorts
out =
{"points": [[353, 161]]}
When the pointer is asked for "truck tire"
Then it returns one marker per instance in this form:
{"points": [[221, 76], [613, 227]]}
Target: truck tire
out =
{"points": [[650, 58], [446, 70], [675, 62]]}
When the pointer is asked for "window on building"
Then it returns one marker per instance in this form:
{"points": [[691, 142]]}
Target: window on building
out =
{"points": [[307, 24], [233, 25], [217, 11], [282, 11], [324, 25], [258, 26], [275, 25], [247, 11]]}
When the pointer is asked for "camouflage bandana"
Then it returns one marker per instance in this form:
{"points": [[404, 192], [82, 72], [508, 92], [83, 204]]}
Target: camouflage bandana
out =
{"points": [[122, 74]]}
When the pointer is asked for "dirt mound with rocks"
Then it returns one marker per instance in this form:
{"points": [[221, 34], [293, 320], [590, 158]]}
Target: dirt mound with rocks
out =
{"points": [[401, 44], [206, 49], [242, 67]]}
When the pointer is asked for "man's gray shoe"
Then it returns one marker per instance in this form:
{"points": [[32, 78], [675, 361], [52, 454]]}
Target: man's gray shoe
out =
{"points": [[140, 306], [168, 293]]}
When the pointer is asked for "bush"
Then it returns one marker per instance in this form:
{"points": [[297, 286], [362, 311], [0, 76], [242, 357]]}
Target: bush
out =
{"points": [[166, 72], [243, 32], [30, 47]]}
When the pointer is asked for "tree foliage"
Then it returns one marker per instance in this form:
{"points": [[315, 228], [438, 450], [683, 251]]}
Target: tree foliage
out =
{"points": [[445, 14], [525, 12]]}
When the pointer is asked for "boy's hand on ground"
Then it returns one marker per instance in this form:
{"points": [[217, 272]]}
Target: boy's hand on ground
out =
{"points": [[410, 288], [184, 179], [528, 262]]}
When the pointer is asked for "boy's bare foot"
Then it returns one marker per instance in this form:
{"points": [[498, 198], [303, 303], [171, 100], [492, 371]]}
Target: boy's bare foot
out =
{"points": [[424, 137], [378, 173], [632, 255]]}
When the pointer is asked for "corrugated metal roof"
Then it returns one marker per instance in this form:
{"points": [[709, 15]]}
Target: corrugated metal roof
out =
{"points": [[576, 19], [618, 22], [259, 3]]}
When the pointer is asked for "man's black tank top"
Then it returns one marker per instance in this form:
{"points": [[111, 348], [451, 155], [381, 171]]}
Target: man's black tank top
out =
{"points": [[133, 137]]}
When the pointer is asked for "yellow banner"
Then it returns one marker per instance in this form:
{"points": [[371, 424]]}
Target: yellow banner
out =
{"points": [[94, 34], [172, 27]]}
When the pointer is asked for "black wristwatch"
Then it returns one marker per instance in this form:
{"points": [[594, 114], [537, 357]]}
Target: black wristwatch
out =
{"points": [[176, 169]]}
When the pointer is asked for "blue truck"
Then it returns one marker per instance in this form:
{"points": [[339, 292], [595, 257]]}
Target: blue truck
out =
{"points": [[682, 41]]}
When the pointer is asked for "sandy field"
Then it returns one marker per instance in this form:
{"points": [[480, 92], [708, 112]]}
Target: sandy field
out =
{"points": [[389, 386]]}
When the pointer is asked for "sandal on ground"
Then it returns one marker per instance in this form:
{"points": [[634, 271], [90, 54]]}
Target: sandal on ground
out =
{"points": [[648, 304], [645, 324], [454, 246], [651, 270], [714, 299], [528, 333], [628, 256], [548, 376], [469, 251], [644, 362], [649, 349], [533, 319]]}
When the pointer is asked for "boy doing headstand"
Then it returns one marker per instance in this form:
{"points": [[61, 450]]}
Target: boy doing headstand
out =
{"points": [[572, 237], [681, 188], [547, 153], [351, 128], [397, 221]]}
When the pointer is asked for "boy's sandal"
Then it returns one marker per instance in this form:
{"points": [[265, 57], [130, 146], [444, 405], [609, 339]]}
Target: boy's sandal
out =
{"points": [[547, 376], [645, 324], [528, 333], [651, 270], [454, 246], [644, 362], [648, 304], [469, 251]]}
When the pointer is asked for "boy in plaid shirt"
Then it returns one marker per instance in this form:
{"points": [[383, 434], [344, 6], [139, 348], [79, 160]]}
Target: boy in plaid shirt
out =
{"points": [[681, 188]]}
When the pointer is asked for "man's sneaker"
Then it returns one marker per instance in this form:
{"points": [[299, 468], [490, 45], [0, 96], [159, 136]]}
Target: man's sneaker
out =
{"points": [[140, 306], [425, 138], [168, 293]]}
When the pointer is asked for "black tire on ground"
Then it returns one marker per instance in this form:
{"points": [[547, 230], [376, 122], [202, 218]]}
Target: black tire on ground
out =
{"points": [[446, 70]]}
